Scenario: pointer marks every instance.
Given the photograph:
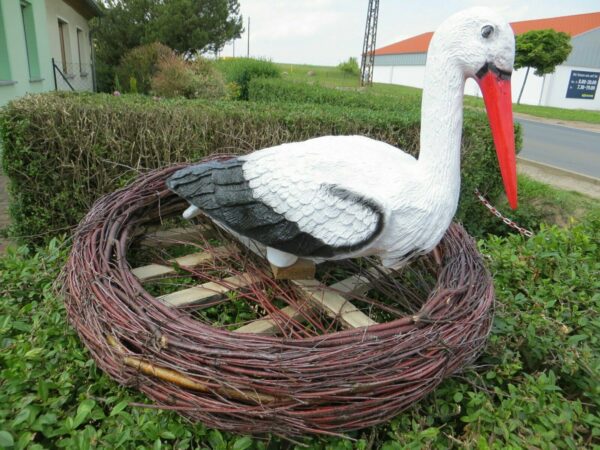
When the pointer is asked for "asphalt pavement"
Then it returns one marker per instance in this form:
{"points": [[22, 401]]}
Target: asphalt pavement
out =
{"points": [[564, 147]]}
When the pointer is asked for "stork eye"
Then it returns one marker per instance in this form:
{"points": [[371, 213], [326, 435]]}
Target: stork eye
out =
{"points": [[487, 31]]}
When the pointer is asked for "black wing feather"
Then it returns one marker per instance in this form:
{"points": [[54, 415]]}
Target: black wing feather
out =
{"points": [[220, 190]]}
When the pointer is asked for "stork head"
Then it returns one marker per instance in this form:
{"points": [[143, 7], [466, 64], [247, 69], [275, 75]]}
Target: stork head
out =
{"points": [[482, 45]]}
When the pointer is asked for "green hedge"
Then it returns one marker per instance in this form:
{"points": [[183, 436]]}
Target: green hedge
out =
{"points": [[239, 72], [281, 90], [62, 151]]}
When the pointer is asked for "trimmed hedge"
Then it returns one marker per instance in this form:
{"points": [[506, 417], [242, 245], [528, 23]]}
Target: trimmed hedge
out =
{"points": [[280, 90], [62, 151]]}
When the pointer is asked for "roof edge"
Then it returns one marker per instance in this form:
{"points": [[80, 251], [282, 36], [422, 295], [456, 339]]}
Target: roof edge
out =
{"points": [[94, 6]]}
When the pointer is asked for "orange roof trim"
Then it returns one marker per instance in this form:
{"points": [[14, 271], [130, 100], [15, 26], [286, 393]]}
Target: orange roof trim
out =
{"points": [[573, 25]]}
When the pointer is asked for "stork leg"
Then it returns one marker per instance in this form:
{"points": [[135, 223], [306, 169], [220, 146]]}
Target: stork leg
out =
{"points": [[279, 258], [437, 254], [192, 211]]}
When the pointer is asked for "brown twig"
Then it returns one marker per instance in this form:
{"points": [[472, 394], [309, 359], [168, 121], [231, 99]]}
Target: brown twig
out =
{"points": [[313, 376]]}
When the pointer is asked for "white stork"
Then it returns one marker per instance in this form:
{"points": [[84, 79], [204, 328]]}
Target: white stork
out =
{"points": [[336, 197]]}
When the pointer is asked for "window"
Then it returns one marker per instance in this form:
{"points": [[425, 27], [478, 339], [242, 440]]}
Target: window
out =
{"points": [[80, 52], [4, 63], [63, 34], [30, 41]]}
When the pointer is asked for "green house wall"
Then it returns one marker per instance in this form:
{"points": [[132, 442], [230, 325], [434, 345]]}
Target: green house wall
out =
{"points": [[15, 77]]}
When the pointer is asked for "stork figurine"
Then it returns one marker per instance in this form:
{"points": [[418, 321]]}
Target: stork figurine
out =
{"points": [[337, 197]]}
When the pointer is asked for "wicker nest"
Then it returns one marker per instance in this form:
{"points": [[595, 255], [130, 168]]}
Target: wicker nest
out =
{"points": [[313, 373]]}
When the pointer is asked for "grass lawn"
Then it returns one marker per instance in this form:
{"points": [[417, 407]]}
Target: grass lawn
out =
{"points": [[334, 78]]}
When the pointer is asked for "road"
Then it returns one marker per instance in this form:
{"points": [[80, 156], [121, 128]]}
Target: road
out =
{"points": [[564, 147]]}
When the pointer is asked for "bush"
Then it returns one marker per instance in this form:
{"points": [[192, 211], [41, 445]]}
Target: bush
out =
{"points": [[349, 67], [141, 63], [176, 77], [278, 90], [240, 71], [534, 387], [79, 146]]}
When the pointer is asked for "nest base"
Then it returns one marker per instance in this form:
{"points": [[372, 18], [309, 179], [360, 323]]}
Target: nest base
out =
{"points": [[202, 328]]}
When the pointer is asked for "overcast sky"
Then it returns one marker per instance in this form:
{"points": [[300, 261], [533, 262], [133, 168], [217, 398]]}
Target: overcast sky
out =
{"points": [[326, 32]]}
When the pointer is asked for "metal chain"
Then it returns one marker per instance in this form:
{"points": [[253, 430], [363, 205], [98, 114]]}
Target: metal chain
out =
{"points": [[498, 214]]}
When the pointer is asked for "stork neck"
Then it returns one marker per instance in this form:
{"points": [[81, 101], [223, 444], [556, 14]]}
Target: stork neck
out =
{"points": [[441, 120]]}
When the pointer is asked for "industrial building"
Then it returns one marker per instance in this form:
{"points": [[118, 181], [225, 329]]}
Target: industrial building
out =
{"points": [[573, 85]]}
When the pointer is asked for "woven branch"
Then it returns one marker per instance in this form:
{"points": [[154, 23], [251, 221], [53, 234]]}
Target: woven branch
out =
{"points": [[313, 376]]}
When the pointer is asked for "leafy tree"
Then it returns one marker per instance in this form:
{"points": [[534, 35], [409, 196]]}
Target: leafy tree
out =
{"points": [[187, 26], [541, 49], [190, 26], [124, 26]]}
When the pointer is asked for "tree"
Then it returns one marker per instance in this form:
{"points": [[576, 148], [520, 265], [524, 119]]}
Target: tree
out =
{"points": [[543, 50], [191, 26], [187, 26], [123, 26]]}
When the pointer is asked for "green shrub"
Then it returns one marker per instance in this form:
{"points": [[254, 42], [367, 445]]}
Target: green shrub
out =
{"points": [[78, 147], [141, 63], [349, 67], [241, 71], [536, 385], [539, 204], [176, 77], [133, 85]]}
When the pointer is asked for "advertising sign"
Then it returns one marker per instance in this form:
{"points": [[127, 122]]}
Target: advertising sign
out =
{"points": [[583, 84]]}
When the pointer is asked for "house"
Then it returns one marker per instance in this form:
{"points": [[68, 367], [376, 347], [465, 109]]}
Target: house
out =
{"points": [[573, 85], [45, 45]]}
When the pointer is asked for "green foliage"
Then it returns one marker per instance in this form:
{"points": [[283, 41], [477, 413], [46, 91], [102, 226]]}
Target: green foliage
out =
{"points": [[536, 385], [276, 90], [142, 63], [538, 204], [550, 303], [133, 85], [188, 26], [114, 138], [349, 67], [176, 77], [117, 83], [240, 71], [197, 26], [542, 50]]}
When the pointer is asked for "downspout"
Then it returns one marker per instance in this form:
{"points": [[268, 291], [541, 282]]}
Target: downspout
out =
{"points": [[93, 57]]}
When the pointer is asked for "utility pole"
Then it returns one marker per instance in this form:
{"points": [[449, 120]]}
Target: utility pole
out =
{"points": [[248, 54], [234, 47], [368, 53]]}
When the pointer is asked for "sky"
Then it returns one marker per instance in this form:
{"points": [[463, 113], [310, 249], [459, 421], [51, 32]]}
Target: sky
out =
{"points": [[327, 32]]}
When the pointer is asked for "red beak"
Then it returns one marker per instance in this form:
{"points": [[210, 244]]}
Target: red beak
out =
{"points": [[495, 87]]}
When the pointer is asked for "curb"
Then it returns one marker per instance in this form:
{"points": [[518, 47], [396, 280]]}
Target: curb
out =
{"points": [[560, 178], [574, 125], [559, 171]]}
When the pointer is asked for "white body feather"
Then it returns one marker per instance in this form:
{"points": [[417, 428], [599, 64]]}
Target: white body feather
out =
{"points": [[290, 178]]}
